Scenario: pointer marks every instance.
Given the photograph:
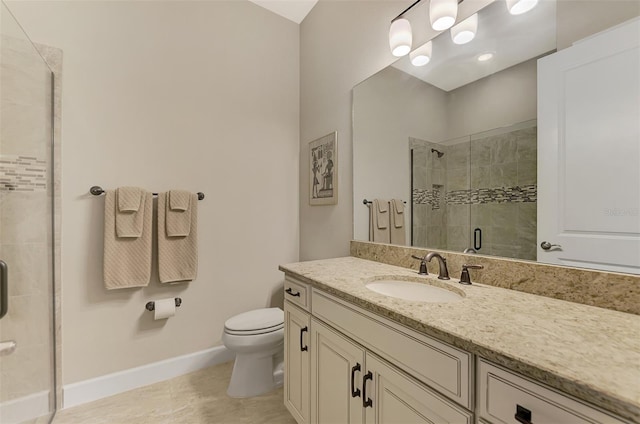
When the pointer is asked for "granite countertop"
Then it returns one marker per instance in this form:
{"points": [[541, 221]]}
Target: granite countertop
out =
{"points": [[591, 353]]}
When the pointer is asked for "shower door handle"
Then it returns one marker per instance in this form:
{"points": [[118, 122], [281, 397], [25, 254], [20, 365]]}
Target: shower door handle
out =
{"points": [[4, 288], [477, 239]]}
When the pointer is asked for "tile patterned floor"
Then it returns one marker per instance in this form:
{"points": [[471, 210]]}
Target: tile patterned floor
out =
{"points": [[196, 398]]}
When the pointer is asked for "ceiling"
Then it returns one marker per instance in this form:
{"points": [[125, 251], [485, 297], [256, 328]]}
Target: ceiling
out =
{"points": [[511, 39], [294, 10]]}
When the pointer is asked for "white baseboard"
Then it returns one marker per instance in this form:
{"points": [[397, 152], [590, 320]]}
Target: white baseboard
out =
{"points": [[107, 385], [25, 408]]}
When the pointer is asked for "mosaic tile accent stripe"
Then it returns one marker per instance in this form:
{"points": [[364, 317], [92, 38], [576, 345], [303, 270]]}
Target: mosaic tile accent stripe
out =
{"points": [[517, 194], [22, 173], [477, 196], [427, 197]]}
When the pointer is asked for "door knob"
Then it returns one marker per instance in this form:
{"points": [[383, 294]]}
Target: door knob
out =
{"points": [[548, 246]]}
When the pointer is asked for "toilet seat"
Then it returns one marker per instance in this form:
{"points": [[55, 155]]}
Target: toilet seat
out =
{"points": [[254, 332], [258, 321]]}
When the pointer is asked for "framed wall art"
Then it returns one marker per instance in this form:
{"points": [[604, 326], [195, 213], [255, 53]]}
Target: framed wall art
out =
{"points": [[323, 170]]}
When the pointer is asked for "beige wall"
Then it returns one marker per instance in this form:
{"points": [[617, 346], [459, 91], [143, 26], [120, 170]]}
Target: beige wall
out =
{"points": [[196, 95], [581, 18], [389, 108], [341, 44]]}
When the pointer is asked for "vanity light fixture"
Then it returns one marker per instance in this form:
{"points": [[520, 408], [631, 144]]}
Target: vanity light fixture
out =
{"points": [[422, 55], [400, 37], [466, 30], [518, 7], [443, 13]]}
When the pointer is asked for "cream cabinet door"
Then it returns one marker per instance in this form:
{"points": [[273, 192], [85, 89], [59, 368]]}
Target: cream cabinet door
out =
{"points": [[395, 398], [337, 366], [297, 362]]}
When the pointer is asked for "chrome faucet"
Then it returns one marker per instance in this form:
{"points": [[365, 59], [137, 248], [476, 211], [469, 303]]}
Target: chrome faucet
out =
{"points": [[443, 272]]}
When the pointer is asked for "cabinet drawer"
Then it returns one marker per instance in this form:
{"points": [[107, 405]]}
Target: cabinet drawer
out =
{"points": [[297, 292], [501, 392], [439, 365]]}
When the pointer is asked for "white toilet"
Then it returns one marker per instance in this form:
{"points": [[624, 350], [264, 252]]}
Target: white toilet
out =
{"points": [[257, 339]]}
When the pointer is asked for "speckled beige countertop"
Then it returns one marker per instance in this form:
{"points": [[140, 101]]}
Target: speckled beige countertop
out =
{"points": [[591, 353]]}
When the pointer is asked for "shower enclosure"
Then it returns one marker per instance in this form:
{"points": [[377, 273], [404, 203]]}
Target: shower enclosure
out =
{"points": [[27, 327], [477, 192]]}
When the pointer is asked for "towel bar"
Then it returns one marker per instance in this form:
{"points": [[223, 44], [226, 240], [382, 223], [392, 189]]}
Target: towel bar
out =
{"points": [[97, 191], [368, 202], [150, 306]]}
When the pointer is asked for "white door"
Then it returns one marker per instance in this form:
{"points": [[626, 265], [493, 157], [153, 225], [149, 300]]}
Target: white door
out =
{"points": [[589, 152]]}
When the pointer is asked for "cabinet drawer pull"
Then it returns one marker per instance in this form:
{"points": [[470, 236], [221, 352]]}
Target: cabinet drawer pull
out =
{"points": [[366, 402], [303, 348], [523, 415], [290, 292], [354, 392]]}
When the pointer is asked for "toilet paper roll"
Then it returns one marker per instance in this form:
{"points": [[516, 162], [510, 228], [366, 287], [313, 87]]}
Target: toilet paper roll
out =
{"points": [[164, 308]]}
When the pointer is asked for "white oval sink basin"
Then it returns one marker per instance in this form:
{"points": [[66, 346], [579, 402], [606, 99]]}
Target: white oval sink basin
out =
{"points": [[418, 292]]}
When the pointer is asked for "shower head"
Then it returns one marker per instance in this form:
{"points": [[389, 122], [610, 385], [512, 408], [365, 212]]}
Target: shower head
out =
{"points": [[440, 154]]}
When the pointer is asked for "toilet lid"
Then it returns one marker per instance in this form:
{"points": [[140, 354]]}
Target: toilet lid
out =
{"points": [[258, 319]]}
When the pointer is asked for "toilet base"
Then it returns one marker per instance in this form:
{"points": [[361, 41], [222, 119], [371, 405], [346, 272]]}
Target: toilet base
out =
{"points": [[255, 374]]}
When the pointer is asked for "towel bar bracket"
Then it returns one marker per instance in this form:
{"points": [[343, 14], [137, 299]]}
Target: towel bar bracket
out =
{"points": [[97, 191], [150, 306]]}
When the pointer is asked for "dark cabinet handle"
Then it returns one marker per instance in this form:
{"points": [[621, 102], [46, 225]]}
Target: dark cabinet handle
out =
{"points": [[354, 392], [366, 402], [303, 348], [289, 291], [477, 239], [4, 288], [523, 415]]}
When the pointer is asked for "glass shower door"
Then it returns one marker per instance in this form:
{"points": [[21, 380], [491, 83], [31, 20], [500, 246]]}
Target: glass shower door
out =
{"points": [[27, 346]]}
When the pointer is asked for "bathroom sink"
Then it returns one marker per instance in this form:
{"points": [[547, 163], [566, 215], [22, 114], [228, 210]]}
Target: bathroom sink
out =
{"points": [[419, 292]]}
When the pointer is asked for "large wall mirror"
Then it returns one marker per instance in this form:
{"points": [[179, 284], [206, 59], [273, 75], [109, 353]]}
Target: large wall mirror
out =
{"points": [[457, 141]]}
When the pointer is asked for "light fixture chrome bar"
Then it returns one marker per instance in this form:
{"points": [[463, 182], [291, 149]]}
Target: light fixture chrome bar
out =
{"points": [[406, 10], [411, 7]]}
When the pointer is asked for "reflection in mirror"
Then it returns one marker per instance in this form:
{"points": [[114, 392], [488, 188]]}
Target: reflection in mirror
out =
{"points": [[457, 138]]}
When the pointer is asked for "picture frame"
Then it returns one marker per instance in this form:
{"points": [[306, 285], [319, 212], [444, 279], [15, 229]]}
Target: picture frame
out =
{"points": [[323, 170]]}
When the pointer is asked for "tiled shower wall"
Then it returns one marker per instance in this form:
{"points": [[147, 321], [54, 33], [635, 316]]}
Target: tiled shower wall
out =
{"points": [[486, 181], [429, 211]]}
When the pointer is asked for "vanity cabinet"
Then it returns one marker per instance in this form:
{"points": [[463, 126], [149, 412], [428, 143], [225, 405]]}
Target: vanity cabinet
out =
{"points": [[350, 384], [504, 395], [345, 364], [297, 324]]}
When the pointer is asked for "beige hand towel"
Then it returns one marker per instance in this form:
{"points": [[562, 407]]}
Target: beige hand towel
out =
{"points": [[179, 200], [398, 235], [129, 198], [127, 260], [177, 256], [379, 221], [130, 211], [178, 218]]}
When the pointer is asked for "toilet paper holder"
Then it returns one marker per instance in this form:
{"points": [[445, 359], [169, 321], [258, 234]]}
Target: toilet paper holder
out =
{"points": [[150, 306]]}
